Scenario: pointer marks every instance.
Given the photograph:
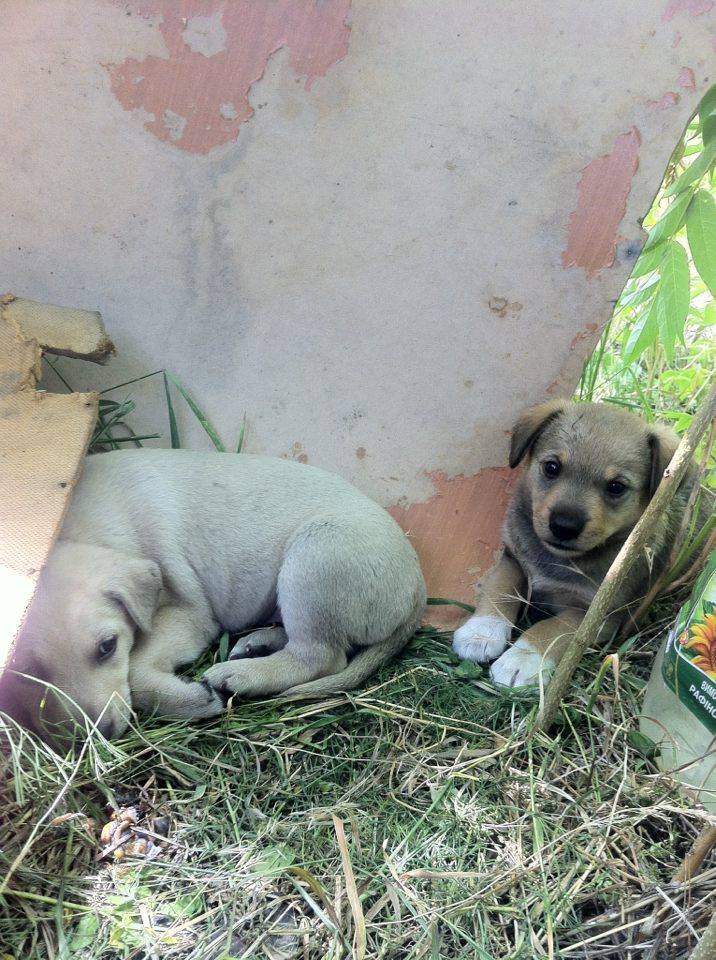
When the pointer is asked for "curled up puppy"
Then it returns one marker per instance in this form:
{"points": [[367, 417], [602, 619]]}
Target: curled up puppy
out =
{"points": [[162, 550], [590, 470]]}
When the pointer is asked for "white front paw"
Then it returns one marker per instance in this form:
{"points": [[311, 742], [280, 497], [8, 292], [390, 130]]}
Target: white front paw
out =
{"points": [[521, 666], [482, 638]]}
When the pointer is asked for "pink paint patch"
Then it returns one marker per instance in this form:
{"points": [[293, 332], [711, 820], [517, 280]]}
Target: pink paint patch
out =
{"points": [[602, 195], [664, 103], [686, 79], [677, 38], [198, 95], [586, 334], [456, 533], [694, 8]]}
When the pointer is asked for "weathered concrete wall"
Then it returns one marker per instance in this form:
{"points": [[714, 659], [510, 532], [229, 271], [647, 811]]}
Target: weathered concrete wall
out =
{"points": [[376, 229]]}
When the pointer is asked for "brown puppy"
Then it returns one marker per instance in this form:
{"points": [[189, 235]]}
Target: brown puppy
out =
{"points": [[591, 470]]}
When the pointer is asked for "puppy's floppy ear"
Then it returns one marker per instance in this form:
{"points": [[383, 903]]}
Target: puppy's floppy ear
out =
{"points": [[530, 425], [135, 585], [662, 443]]}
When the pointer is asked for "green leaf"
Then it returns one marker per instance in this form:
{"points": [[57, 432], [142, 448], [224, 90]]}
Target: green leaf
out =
{"points": [[638, 297], [199, 414], [173, 427], [669, 222], [643, 745], [707, 107], [643, 334], [673, 296], [709, 314], [707, 116], [274, 860], [701, 234], [648, 260], [85, 934], [468, 670], [185, 906], [695, 171]]}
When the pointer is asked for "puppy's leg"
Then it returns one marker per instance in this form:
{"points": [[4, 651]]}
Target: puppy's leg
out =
{"points": [[537, 651], [330, 598], [311, 647], [259, 643], [167, 695], [178, 636], [260, 676], [486, 634]]}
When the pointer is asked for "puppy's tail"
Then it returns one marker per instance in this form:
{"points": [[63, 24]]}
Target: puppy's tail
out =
{"points": [[363, 664]]}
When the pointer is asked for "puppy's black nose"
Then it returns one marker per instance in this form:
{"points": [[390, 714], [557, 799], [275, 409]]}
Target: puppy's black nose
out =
{"points": [[567, 524]]}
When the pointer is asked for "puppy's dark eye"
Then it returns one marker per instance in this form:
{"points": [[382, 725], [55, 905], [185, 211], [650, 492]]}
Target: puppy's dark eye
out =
{"points": [[106, 647], [615, 488], [551, 468]]}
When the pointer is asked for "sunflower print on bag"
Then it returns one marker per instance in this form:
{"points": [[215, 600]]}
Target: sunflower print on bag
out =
{"points": [[700, 642]]}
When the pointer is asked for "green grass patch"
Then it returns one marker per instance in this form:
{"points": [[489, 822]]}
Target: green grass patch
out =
{"points": [[465, 838]]}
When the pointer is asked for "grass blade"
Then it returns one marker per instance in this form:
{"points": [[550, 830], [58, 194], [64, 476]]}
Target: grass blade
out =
{"points": [[444, 602], [199, 414], [351, 889], [242, 436], [173, 427]]}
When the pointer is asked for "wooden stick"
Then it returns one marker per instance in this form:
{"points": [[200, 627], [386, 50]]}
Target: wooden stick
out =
{"points": [[663, 581], [702, 845], [705, 949], [603, 603]]}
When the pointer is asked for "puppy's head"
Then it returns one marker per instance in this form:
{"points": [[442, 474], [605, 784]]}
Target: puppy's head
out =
{"points": [[592, 468], [90, 605]]}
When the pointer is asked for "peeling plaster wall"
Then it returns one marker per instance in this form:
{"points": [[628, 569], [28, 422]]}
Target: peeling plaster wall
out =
{"points": [[377, 230]]}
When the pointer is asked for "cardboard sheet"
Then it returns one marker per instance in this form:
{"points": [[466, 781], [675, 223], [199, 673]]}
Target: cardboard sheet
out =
{"points": [[43, 439]]}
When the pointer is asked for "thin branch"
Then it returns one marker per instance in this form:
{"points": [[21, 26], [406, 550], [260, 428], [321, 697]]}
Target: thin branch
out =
{"points": [[701, 847], [705, 949]]}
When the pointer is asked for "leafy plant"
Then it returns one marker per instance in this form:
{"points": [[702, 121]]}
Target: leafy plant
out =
{"points": [[657, 352]]}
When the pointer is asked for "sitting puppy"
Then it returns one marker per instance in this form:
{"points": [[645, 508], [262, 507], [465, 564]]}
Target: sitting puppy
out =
{"points": [[591, 470], [161, 550]]}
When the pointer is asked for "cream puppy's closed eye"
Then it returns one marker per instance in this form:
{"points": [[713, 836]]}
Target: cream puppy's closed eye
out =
{"points": [[163, 550], [83, 646]]}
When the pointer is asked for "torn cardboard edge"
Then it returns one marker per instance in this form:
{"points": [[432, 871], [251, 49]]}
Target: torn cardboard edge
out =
{"points": [[43, 440]]}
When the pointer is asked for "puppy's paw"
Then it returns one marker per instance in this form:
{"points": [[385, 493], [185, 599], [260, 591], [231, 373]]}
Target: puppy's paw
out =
{"points": [[521, 666], [230, 678], [482, 638], [259, 643], [203, 701]]}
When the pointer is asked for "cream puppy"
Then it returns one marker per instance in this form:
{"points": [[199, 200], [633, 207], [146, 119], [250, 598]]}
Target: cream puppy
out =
{"points": [[162, 550]]}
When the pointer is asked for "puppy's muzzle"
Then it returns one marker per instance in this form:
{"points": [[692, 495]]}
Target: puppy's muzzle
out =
{"points": [[566, 524]]}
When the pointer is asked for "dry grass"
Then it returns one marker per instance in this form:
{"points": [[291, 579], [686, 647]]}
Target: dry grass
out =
{"points": [[412, 819]]}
